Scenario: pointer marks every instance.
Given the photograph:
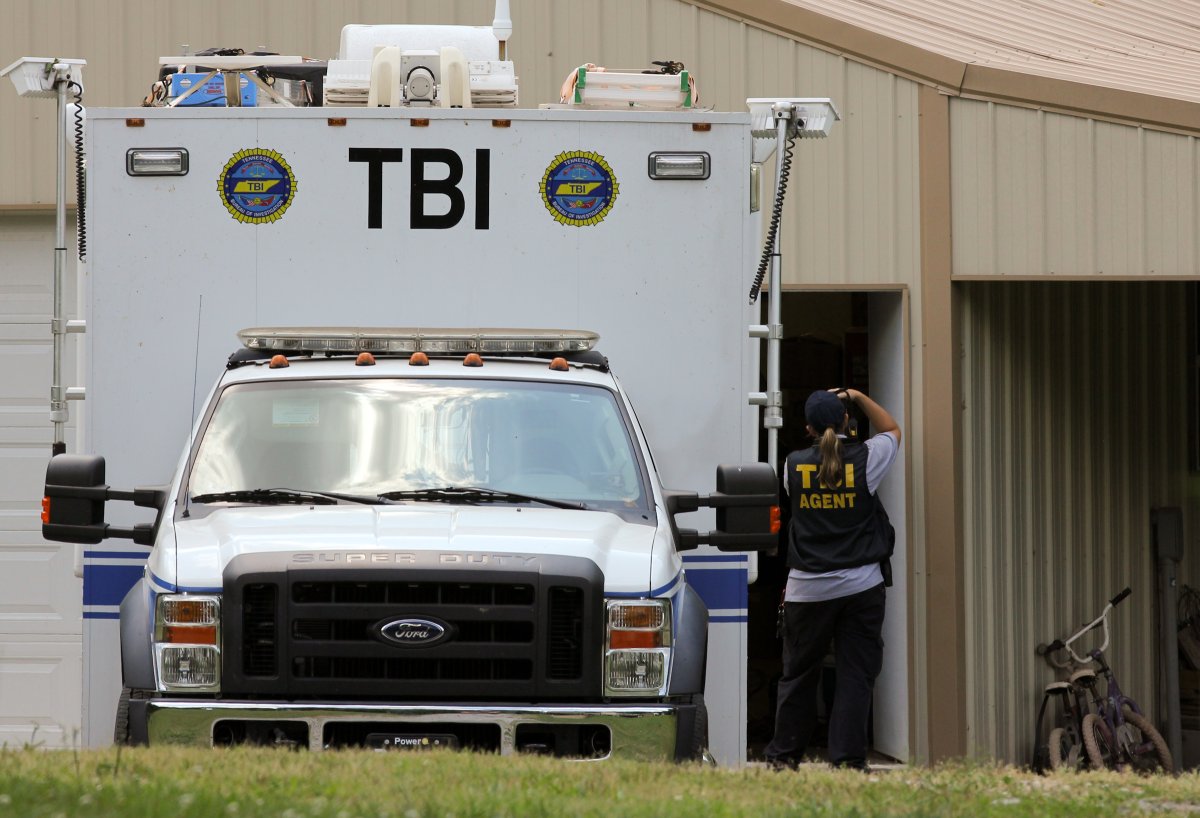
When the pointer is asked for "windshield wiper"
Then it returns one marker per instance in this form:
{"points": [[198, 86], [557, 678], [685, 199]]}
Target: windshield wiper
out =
{"points": [[475, 494], [283, 495]]}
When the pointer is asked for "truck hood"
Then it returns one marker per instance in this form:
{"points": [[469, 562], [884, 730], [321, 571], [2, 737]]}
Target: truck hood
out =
{"points": [[204, 546]]}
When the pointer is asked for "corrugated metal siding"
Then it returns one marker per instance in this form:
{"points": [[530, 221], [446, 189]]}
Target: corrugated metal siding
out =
{"points": [[1037, 193], [1073, 417]]}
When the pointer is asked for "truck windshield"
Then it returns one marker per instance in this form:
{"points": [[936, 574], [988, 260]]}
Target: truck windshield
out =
{"points": [[376, 436]]}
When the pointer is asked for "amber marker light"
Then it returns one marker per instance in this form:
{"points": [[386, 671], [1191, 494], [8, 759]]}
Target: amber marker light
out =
{"points": [[419, 123], [473, 359], [46, 510], [418, 359], [279, 362], [618, 640], [775, 521], [560, 365], [365, 359], [190, 634]]}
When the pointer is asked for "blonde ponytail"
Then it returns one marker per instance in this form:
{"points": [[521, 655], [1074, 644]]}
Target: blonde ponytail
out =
{"points": [[830, 471]]}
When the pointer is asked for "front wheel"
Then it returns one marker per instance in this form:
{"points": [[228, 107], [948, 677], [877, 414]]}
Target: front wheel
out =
{"points": [[121, 732], [1065, 753], [1098, 742], [1147, 752], [699, 745]]}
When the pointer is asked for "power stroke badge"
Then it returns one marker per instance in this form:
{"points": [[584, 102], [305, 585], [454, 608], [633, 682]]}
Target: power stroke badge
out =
{"points": [[579, 188], [257, 186]]}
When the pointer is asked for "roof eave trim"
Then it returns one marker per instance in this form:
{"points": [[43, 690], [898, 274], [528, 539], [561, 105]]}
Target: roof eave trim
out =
{"points": [[1133, 107]]}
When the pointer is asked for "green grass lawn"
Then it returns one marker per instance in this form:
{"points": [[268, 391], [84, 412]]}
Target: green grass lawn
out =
{"points": [[175, 783]]}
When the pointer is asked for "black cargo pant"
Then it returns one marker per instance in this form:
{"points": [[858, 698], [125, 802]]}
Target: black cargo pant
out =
{"points": [[854, 624]]}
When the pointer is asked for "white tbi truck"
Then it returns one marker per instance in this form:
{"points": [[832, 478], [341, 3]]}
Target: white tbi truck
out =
{"points": [[437, 534]]}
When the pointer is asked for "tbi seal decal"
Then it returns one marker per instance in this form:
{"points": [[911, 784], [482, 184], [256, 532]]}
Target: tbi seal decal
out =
{"points": [[579, 188], [256, 186]]}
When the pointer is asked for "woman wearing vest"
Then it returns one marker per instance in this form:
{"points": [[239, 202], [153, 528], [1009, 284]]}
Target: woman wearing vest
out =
{"points": [[837, 539]]}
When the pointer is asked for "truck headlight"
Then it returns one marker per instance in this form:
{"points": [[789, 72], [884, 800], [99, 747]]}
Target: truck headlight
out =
{"points": [[187, 642], [637, 647]]}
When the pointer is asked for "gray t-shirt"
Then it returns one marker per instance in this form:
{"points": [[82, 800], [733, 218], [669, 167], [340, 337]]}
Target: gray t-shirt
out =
{"points": [[803, 586]]}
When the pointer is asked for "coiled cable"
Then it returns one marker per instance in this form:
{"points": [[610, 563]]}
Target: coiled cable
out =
{"points": [[80, 174], [785, 168]]}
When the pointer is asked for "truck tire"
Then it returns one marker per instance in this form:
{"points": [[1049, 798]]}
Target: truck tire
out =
{"points": [[699, 744], [121, 734]]}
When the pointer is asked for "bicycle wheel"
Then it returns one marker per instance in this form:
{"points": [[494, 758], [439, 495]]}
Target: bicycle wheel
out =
{"points": [[1150, 753], [1065, 753], [1098, 742]]}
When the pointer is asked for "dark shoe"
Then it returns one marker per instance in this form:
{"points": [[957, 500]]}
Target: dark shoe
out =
{"points": [[860, 766], [781, 763]]}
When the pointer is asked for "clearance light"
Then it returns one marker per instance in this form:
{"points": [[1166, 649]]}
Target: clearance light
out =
{"points": [[156, 162], [638, 650], [418, 359], [46, 510], [560, 365], [187, 642], [775, 520], [675, 165], [365, 359], [456, 341], [279, 362], [473, 359]]}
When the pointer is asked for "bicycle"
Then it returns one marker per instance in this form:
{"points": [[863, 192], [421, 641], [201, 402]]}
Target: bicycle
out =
{"points": [[1115, 731], [1064, 748]]}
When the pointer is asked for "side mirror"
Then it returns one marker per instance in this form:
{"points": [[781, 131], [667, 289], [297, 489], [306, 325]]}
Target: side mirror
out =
{"points": [[73, 504], [747, 504]]}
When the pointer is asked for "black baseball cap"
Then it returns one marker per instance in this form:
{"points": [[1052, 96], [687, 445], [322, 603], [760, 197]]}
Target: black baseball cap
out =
{"points": [[823, 410]]}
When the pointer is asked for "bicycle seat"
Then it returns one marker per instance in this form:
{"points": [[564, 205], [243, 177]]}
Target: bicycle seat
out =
{"points": [[1083, 674], [1054, 687]]}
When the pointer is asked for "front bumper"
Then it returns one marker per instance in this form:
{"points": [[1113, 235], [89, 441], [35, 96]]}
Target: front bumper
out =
{"points": [[645, 732]]}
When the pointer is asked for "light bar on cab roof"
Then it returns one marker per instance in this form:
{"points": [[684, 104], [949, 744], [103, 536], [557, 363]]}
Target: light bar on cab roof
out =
{"points": [[410, 339]]}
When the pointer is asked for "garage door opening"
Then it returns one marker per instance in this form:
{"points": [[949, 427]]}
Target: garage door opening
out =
{"points": [[846, 339]]}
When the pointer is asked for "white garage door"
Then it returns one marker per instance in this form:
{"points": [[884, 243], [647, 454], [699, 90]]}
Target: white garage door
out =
{"points": [[40, 596]]}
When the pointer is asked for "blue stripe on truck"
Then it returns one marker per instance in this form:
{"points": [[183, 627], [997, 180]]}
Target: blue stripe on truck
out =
{"points": [[107, 584], [721, 588]]}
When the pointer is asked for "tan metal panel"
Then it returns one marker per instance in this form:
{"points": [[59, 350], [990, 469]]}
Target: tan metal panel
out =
{"points": [[1045, 194], [1068, 395], [851, 215]]}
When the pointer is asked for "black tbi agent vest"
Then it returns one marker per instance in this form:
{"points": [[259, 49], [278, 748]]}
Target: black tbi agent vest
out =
{"points": [[833, 527]]}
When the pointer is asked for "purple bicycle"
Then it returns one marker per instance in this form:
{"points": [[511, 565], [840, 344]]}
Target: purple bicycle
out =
{"points": [[1116, 733]]}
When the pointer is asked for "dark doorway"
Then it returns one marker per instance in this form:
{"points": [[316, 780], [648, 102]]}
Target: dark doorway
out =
{"points": [[831, 339]]}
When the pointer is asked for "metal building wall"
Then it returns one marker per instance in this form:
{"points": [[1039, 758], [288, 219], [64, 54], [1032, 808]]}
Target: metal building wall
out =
{"points": [[1074, 417], [1043, 194]]}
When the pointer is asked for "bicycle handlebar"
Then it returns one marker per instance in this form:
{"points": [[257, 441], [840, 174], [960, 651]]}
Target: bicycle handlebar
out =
{"points": [[1102, 619]]}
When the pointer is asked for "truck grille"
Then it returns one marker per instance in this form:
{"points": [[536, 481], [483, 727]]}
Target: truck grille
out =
{"points": [[314, 632]]}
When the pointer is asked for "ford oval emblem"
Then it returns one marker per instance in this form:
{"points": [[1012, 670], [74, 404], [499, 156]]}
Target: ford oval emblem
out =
{"points": [[413, 632]]}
